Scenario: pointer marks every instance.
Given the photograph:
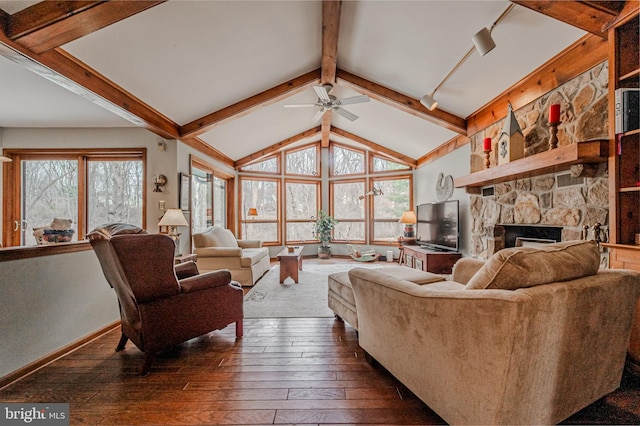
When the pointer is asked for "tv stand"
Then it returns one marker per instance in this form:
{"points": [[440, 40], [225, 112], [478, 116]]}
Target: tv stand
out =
{"points": [[429, 260]]}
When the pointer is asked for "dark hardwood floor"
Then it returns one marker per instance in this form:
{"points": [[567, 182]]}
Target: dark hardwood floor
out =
{"points": [[283, 371]]}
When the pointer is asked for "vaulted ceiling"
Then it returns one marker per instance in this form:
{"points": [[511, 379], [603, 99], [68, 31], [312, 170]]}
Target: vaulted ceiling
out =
{"points": [[217, 74]]}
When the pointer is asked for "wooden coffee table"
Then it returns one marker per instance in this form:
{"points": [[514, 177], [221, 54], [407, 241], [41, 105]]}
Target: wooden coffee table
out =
{"points": [[290, 264]]}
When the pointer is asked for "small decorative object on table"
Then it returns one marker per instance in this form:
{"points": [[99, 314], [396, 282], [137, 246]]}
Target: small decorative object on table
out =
{"points": [[554, 121], [362, 256]]}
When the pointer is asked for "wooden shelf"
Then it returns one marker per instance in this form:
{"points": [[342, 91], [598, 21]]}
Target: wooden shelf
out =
{"points": [[595, 151], [630, 189], [621, 246]]}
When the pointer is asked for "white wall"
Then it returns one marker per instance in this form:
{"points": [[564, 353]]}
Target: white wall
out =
{"points": [[456, 164], [48, 302]]}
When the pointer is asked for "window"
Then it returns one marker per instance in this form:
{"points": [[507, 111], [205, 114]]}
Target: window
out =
{"points": [[346, 161], [387, 209], [302, 201], [89, 187], [348, 210], [368, 207], [209, 196], [303, 161], [269, 165], [263, 195]]}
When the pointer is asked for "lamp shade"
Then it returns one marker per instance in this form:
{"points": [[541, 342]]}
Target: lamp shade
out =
{"points": [[252, 212], [429, 102], [408, 217], [173, 217], [483, 42]]}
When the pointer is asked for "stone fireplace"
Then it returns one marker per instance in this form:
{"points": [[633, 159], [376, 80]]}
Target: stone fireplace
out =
{"points": [[567, 200]]}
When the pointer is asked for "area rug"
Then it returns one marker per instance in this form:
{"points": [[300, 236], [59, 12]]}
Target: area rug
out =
{"points": [[307, 299]]}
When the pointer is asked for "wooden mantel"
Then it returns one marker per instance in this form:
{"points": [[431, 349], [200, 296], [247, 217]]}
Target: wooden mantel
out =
{"points": [[594, 151]]}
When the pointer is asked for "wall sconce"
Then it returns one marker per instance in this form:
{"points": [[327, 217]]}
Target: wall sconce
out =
{"points": [[408, 218], [374, 192], [174, 218], [4, 159], [158, 181]]}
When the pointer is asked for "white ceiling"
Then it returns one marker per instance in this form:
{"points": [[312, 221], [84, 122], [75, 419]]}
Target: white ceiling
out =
{"points": [[187, 59]]}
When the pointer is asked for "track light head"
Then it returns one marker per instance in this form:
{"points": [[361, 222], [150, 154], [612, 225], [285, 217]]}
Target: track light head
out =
{"points": [[483, 42], [429, 102]]}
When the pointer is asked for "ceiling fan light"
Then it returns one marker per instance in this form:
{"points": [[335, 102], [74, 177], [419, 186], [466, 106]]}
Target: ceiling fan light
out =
{"points": [[483, 42], [429, 102]]}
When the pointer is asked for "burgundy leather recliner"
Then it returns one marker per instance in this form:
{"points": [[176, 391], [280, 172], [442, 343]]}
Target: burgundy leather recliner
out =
{"points": [[162, 304]]}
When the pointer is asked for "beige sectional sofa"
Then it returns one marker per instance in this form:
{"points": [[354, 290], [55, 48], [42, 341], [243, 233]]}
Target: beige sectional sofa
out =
{"points": [[217, 248], [529, 337]]}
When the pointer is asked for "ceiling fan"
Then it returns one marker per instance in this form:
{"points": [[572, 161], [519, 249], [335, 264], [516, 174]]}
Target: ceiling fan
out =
{"points": [[328, 102]]}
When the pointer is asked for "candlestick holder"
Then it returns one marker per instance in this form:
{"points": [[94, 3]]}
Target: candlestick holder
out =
{"points": [[487, 162], [553, 138]]}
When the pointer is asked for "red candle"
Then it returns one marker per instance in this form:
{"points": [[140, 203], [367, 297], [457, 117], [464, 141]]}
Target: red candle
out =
{"points": [[554, 113], [487, 144]]}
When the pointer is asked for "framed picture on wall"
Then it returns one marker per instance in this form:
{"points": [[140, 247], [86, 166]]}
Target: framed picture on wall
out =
{"points": [[185, 191]]}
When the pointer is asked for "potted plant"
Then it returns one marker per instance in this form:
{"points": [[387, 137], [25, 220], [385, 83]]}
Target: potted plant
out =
{"points": [[323, 227]]}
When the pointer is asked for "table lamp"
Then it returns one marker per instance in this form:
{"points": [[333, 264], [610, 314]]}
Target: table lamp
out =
{"points": [[408, 218], [174, 218]]}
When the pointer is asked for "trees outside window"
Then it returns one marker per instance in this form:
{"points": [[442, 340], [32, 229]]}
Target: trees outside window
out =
{"points": [[263, 195], [302, 202], [387, 209]]}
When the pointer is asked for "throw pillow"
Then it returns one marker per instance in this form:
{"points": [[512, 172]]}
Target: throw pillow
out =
{"points": [[519, 267]]}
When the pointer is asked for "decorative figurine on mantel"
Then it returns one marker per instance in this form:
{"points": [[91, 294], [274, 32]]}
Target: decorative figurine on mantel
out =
{"points": [[510, 140]]}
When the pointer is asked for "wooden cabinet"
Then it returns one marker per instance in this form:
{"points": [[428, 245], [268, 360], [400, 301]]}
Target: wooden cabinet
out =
{"points": [[624, 148], [437, 262]]}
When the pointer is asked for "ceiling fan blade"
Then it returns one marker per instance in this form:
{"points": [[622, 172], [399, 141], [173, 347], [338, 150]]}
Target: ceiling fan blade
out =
{"points": [[322, 93], [354, 100], [318, 115], [301, 105], [346, 114]]}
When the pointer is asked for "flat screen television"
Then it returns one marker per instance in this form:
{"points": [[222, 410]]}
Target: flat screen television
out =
{"points": [[437, 227]]}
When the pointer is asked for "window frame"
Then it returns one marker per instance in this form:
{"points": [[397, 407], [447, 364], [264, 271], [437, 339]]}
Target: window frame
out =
{"points": [[242, 220], [201, 164], [332, 184], [276, 156], [372, 218], [332, 172], [302, 148], [12, 183], [318, 185]]}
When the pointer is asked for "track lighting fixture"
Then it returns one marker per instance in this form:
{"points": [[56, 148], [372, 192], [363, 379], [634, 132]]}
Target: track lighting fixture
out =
{"points": [[482, 42]]}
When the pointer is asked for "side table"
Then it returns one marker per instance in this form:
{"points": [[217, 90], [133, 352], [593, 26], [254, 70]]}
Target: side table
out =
{"points": [[402, 241]]}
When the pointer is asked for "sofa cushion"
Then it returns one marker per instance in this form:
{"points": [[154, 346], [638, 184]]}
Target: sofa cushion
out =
{"points": [[416, 276], [216, 236], [252, 256], [520, 267]]}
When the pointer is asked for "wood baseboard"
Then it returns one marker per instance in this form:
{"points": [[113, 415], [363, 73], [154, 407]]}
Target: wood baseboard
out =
{"points": [[37, 364]]}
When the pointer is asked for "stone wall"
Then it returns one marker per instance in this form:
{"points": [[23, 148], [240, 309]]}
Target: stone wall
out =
{"points": [[540, 200]]}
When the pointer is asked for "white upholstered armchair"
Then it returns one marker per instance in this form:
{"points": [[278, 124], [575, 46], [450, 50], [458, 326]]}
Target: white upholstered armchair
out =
{"points": [[217, 248]]}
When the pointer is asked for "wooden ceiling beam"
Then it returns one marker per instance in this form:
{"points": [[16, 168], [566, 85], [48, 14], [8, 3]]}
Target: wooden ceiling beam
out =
{"points": [[328, 67], [405, 159], [589, 16], [330, 30], [403, 102], [203, 147], [239, 109], [584, 54], [444, 149], [67, 71], [257, 156], [50, 24]]}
